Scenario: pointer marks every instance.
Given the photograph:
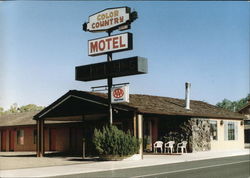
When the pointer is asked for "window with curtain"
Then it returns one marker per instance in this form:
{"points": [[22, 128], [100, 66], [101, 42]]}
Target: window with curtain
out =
{"points": [[231, 131]]}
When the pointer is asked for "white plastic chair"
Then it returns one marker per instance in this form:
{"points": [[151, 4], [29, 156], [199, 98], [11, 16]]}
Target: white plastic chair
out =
{"points": [[169, 146], [158, 144], [182, 145]]}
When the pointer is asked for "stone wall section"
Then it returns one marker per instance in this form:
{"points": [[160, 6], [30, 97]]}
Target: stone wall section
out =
{"points": [[200, 139]]}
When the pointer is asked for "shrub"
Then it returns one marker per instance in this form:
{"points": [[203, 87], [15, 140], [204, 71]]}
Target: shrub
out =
{"points": [[112, 141]]}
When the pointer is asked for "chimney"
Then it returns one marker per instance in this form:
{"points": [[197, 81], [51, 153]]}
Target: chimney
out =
{"points": [[187, 95]]}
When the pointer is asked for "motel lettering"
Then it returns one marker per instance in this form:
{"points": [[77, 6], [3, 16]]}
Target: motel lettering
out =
{"points": [[108, 19], [108, 44]]}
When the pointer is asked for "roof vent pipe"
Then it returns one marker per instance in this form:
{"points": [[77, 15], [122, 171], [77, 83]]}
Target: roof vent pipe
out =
{"points": [[187, 95]]}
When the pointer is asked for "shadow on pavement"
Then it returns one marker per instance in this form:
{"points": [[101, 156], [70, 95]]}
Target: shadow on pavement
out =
{"points": [[85, 159], [21, 155]]}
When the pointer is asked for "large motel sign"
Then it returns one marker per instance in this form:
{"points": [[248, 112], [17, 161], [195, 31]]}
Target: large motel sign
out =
{"points": [[108, 20], [117, 68]]}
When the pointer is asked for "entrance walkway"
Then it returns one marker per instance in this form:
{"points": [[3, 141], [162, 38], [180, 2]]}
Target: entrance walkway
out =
{"points": [[95, 166]]}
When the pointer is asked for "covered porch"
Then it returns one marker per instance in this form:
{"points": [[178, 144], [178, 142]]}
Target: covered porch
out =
{"points": [[164, 128], [80, 113]]}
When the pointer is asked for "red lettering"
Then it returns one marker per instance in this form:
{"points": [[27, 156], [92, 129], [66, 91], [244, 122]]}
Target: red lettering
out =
{"points": [[97, 24], [121, 45], [116, 20], [93, 25], [108, 41], [121, 19], [115, 42], [94, 46], [102, 23], [106, 22], [111, 21], [101, 45]]}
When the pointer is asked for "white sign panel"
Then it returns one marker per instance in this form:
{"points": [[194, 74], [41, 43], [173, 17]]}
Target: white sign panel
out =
{"points": [[108, 19], [120, 94], [113, 43]]}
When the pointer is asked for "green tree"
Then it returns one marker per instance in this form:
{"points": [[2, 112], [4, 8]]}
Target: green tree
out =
{"points": [[1, 110], [13, 108], [112, 141], [233, 105], [27, 108], [30, 107]]}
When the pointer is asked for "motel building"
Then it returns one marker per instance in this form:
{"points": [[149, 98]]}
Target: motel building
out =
{"points": [[69, 121], [246, 111]]}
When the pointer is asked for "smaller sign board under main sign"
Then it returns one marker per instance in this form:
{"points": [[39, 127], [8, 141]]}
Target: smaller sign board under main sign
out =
{"points": [[120, 94], [117, 68], [109, 19], [114, 43]]}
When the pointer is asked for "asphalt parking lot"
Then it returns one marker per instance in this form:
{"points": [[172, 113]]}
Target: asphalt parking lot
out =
{"points": [[17, 160]]}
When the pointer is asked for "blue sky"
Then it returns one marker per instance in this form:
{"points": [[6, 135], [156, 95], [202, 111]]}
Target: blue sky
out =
{"points": [[205, 43]]}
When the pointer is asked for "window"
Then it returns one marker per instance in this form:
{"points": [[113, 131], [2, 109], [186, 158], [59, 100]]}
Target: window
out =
{"points": [[34, 136], [20, 137], [247, 122], [213, 130], [231, 131]]}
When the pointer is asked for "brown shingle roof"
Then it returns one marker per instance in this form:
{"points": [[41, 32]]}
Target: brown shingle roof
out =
{"points": [[173, 106], [25, 118], [145, 104], [245, 109], [149, 104]]}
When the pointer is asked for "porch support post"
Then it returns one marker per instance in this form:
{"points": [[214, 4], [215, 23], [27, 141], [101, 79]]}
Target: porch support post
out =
{"points": [[1, 140], [140, 133], [154, 130], [83, 138], [40, 138], [38, 150], [135, 124]]}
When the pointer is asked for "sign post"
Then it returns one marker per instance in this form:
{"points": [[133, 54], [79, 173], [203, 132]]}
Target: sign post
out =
{"points": [[110, 83], [109, 20]]}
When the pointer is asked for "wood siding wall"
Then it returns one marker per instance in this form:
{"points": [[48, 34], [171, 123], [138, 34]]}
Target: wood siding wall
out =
{"points": [[60, 139]]}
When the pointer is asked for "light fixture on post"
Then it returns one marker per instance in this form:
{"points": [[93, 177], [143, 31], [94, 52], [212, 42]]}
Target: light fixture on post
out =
{"points": [[221, 122], [241, 122]]}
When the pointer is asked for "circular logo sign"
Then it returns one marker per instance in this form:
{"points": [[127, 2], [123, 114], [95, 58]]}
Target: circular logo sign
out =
{"points": [[118, 93]]}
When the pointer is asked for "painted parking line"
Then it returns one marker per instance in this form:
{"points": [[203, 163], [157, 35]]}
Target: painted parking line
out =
{"points": [[190, 169]]}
